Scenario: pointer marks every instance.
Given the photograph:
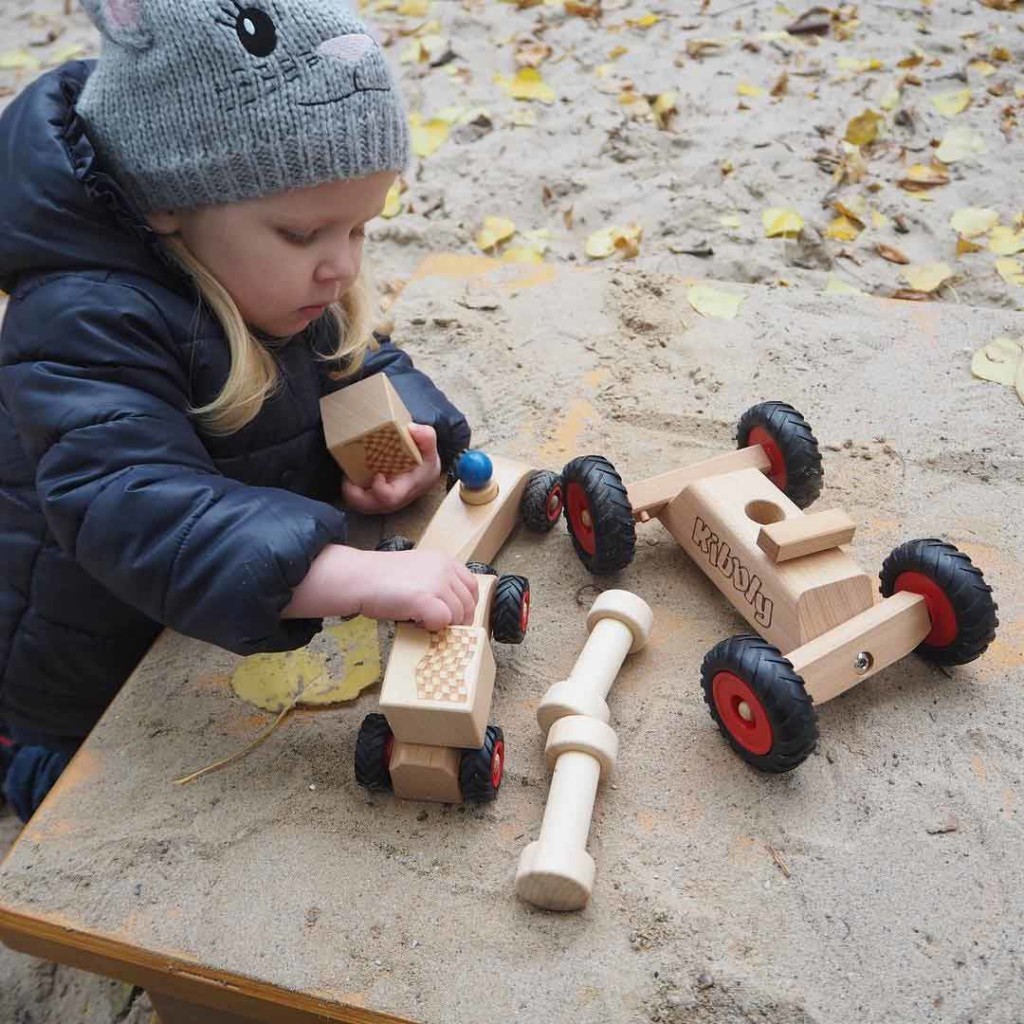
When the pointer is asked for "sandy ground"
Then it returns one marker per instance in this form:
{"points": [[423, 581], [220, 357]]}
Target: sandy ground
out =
{"points": [[700, 182]]}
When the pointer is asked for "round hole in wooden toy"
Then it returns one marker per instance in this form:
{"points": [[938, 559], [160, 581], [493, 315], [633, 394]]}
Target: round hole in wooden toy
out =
{"points": [[764, 512]]}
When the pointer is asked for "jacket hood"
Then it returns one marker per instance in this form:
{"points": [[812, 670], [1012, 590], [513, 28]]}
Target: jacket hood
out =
{"points": [[60, 209]]}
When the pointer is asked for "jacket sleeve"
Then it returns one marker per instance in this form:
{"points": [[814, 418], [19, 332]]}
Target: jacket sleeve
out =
{"points": [[424, 400], [98, 393]]}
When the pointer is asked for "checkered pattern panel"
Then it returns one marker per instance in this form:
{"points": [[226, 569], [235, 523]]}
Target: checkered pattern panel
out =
{"points": [[384, 451], [441, 673]]}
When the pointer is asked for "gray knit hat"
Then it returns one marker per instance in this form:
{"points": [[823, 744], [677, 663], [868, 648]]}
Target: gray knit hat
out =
{"points": [[216, 101]]}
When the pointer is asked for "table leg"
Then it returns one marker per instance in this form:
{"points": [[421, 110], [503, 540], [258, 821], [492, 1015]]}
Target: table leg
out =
{"points": [[174, 1011]]}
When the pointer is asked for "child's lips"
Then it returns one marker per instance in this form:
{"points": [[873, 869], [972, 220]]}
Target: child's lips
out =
{"points": [[313, 310]]}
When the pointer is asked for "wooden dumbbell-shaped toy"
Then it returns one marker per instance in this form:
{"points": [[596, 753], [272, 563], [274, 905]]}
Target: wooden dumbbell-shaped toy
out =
{"points": [[619, 624], [556, 872]]}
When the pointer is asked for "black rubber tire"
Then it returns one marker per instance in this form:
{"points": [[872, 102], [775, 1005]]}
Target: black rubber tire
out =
{"points": [[476, 768], [612, 535], [796, 445], [542, 501], [784, 702], [964, 587], [396, 543], [481, 569], [372, 743], [451, 477], [510, 613]]}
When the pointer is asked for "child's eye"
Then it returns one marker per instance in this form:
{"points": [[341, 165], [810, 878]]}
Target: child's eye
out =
{"points": [[296, 237], [256, 31]]}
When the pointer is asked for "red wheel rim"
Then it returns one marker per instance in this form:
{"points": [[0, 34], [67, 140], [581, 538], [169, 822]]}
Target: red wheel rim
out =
{"points": [[777, 474], [732, 695], [940, 609], [524, 612], [497, 764], [580, 519], [553, 509]]}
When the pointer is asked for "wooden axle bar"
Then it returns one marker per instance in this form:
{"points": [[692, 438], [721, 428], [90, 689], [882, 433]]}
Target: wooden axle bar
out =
{"points": [[649, 496], [858, 648], [805, 535]]}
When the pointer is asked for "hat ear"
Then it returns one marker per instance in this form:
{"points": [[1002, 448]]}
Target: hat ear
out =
{"points": [[121, 21]]}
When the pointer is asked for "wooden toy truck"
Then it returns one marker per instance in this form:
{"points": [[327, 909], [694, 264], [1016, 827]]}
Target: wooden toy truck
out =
{"points": [[431, 740], [822, 627]]}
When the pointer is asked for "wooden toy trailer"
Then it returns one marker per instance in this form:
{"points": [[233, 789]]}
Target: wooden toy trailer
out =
{"points": [[431, 740], [822, 628]]}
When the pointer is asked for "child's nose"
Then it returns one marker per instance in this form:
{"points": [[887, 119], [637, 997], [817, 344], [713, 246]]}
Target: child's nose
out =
{"points": [[346, 48]]}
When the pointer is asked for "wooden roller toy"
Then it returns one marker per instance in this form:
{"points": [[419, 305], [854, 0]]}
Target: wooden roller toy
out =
{"points": [[556, 872]]}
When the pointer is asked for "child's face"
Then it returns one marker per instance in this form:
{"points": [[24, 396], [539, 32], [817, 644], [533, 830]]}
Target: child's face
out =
{"points": [[284, 258]]}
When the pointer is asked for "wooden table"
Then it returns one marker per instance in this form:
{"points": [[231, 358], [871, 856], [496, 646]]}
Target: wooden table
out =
{"points": [[879, 874]]}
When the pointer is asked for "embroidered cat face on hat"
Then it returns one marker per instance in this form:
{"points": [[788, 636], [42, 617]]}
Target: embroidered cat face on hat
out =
{"points": [[216, 101]]}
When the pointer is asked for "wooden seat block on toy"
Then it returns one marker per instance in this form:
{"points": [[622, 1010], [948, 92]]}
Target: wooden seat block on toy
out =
{"points": [[805, 535], [717, 521], [366, 427], [421, 772], [450, 674], [475, 532]]}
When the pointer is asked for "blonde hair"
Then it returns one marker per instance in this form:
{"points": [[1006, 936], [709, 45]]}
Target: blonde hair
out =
{"points": [[253, 376]]}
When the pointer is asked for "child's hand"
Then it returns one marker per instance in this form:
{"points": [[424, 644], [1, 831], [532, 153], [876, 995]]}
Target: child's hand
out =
{"points": [[384, 495], [429, 588]]}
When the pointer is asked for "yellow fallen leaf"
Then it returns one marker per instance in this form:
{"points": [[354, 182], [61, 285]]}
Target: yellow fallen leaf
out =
{"points": [[746, 89], [890, 99], [926, 277], [712, 302], [414, 8], [964, 246], [427, 136], [891, 253], [1011, 271], [843, 229], [424, 50], [393, 201], [337, 666], [781, 221], [19, 60], [922, 176], [859, 65], [853, 207], [837, 286], [974, 220], [644, 21], [494, 231], [960, 143], [625, 240], [863, 128], [524, 117], [1005, 241], [949, 104], [730, 220], [983, 68], [999, 361], [878, 220], [527, 84], [663, 108], [65, 53], [617, 51]]}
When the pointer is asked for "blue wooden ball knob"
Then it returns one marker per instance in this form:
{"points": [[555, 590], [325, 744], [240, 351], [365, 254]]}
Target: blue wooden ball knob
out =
{"points": [[475, 469]]}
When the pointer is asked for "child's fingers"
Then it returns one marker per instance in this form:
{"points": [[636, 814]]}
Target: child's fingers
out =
{"points": [[469, 580], [435, 614], [425, 438], [466, 601]]}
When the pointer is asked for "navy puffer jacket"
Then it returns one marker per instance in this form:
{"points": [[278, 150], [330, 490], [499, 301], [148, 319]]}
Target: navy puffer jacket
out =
{"points": [[117, 513]]}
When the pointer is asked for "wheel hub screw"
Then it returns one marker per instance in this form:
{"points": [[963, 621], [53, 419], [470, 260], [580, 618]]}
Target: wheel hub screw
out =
{"points": [[863, 662], [743, 709], [585, 517]]}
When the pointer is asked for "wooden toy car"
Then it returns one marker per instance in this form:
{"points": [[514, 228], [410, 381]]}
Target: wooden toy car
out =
{"points": [[431, 740], [822, 627]]}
